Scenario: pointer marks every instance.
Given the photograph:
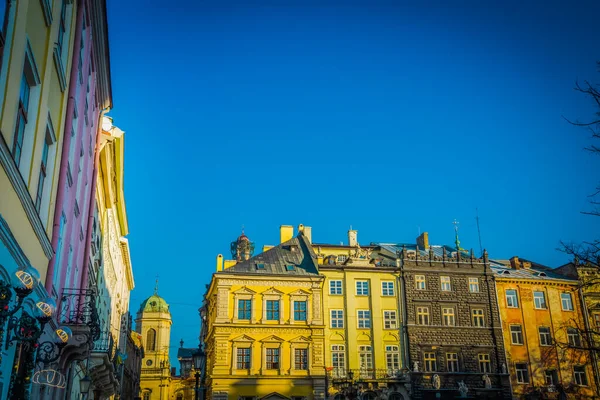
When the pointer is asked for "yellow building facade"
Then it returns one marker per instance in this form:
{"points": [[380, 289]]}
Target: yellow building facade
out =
{"points": [[543, 322], [265, 334]]}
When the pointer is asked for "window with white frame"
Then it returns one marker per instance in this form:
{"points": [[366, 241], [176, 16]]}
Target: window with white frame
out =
{"points": [[485, 366], [477, 317], [445, 284], [338, 360], [272, 358], [550, 377], [365, 359], [243, 358], [516, 334], [392, 358], [430, 362], [580, 375], [342, 258], [422, 315], [448, 317], [574, 337], [390, 320], [364, 319], [452, 362], [362, 288], [337, 318], [545, 336], [522, 372], [387, 288], [512, 300], [597, 321], [566, 301], [474, 285], [146, 396], [539, 300], [335, 287], [420, 282]]}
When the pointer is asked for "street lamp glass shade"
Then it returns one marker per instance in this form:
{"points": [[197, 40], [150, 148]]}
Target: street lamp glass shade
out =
{"points": [[198, 358], [25, 279], [84, 384], [45, 309], [63, 333]]}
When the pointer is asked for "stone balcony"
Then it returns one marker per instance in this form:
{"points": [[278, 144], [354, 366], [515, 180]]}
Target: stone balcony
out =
{"points": [[102, 369]]}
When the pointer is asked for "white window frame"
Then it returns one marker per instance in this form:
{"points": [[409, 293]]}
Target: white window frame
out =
{"points": [[539, 303], [516, 334], [477, 317], [388, 288], [547, 335], [338, 360], [512, 299], [473, 285], [390, 319], [448, 316], [333, 287], [420, 282], [362, 287], [445, 284], [423, 316], [363, 317], [577, 375], [392, 359], [339, 320], [569, 302], [522, 373]]}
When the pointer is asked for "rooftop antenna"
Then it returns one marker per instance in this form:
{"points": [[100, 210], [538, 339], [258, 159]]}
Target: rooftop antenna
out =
{"points": [[156, 286], [456, 241], [478, 231]]}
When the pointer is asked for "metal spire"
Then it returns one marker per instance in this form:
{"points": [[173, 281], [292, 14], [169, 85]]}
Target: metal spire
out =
{"points": [[156, 286], [456, 241]]}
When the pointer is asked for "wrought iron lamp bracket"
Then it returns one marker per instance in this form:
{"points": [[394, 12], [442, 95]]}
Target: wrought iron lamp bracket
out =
{"points": [[48, 352], [24, 329]]}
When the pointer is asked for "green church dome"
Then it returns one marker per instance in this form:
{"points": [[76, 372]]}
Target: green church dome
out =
{"points": [[154, 303]]}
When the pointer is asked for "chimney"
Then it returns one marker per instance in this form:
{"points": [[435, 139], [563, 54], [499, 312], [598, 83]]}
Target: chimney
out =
{"points": [[352, 238], [307, 231], [220, 262], [286, 232], [515, 263], [423, 241], [173, 371]]}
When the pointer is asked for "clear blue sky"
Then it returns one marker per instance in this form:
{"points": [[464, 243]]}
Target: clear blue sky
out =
{"points": [[390, 118]]}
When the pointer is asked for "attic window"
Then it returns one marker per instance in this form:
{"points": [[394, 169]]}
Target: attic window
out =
{"points": [[541, 274], [260, 266], [506, 272], [289, 267]]}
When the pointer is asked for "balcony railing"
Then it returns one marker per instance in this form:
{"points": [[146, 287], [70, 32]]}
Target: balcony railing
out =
{"points": [[342, 374], [78, 307], [104, 344]]}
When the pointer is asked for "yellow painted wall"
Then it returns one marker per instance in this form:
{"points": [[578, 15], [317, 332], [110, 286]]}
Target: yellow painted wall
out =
{"points": [[541, 358]]}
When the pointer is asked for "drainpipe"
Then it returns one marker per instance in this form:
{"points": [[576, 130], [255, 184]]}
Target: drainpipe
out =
{"points": [[64, 161], [92, 205], [402, 306], [586, 321]]}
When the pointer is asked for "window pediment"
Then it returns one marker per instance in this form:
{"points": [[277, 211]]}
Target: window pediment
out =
{"points": [[272, 339], [244, 290], [300, 339], [243, 339], [272, 292], [300, 293]]}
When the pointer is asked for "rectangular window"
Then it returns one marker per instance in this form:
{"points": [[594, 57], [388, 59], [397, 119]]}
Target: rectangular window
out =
{"points": [[474, 285], [19, 135], [338, 360], [522, 373], [566, 301], [341, 259], [364, 319], [42, 177], [574, 337], [516, 334], [272, 358], [389, 319], [244, 309], [299, 310], [430, 362], [273, 310], [301, 359], [597, 321], [387, 288], [579, 375], [539, 300], [485, 367], [365, 359], [420, 282], [545, 337], [452, 362], [62, 27], [337, 318], [392, 358], [512, 301], [445, 285], [362, 288], [243, 358], [335, 287], [477, 317], [551, 377], [422, 315], [448, 317]]}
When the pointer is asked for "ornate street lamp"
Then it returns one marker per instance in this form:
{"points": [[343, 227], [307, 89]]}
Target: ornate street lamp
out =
{"points": [[84, 384], [48, 351], [198, 359], [23, 283]]}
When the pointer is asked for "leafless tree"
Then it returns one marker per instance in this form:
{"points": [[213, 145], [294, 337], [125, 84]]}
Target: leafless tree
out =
{"points": [[588, 252]]}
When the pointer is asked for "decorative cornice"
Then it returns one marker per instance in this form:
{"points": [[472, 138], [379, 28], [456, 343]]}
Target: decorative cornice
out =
{"points": [[12, 171]]}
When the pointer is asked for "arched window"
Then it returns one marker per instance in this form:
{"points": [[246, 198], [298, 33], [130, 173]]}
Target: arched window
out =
{"points": [[179, 396], [151, 340]]}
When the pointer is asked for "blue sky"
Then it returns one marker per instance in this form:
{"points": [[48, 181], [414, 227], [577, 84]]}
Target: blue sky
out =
{"points": [[391, 117]]}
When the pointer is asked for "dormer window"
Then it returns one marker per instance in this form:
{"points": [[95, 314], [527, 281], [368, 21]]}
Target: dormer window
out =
{"points": [[260, 266], [289, 267]]}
